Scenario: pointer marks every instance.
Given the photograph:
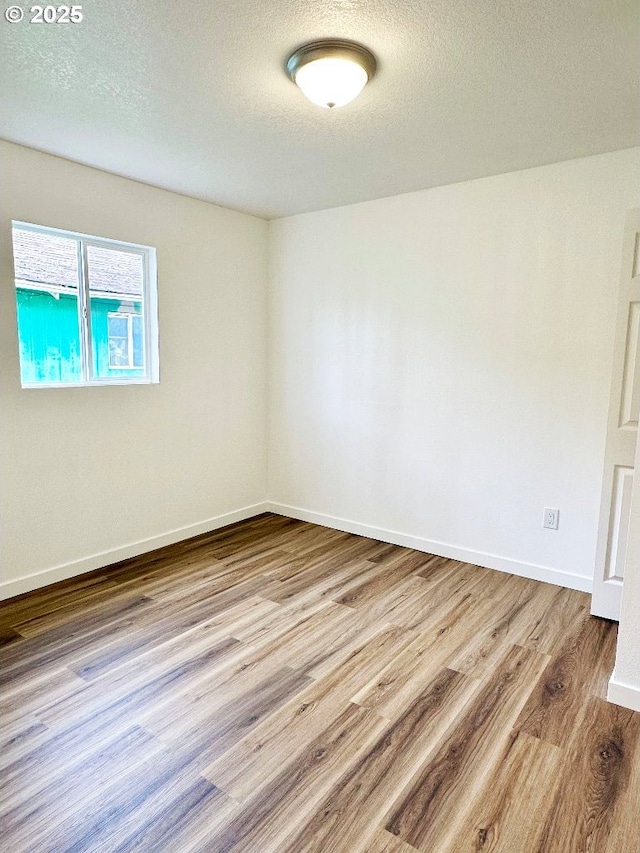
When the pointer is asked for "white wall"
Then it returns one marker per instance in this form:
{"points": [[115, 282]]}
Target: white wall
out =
{"points": [[440, 363], [439, 371], [88, 472]]}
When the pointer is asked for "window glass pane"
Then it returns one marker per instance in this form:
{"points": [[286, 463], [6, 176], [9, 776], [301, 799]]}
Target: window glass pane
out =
{"points": [[46, 280], [118, 334], [118, 326], [138, 341], [116, 299]]}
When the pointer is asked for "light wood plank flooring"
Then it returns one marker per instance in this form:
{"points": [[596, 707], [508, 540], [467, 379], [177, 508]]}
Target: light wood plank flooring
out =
{"points": [[278, 686]]}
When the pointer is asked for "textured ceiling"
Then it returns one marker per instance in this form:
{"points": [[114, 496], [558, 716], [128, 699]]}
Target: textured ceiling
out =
{"points": [[192, 96]]}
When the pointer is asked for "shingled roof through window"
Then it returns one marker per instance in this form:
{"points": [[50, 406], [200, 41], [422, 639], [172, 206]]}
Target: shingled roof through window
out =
{"points": [[52, 261]]}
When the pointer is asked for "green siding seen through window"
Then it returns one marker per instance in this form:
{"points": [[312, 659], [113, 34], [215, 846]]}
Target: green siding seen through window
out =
{"points": [[49, 337]]}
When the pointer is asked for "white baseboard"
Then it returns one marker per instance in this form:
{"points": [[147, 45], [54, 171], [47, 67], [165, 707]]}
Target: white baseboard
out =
{"points": [[441, 549], [97, 561], [623, 694]]}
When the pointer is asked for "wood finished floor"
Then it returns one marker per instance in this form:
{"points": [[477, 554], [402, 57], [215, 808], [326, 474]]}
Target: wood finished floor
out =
{"points": [[278, 686]]}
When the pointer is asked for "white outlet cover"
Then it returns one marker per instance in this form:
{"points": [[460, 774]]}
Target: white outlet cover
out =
{"points": [[551, 518]]}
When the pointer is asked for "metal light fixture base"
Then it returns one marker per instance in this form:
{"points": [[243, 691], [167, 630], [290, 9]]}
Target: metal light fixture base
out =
{"points": [[332, 48]]}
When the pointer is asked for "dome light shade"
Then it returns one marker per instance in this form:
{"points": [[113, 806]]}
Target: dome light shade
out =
{"points": [[331, 82], [331, 73]]}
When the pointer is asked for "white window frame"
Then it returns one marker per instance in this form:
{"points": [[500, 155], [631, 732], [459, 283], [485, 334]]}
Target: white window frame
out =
{"points": [[149, 309]]}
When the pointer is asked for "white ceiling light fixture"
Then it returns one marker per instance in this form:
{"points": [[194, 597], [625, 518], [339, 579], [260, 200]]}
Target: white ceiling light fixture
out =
{"points": [[332, 72]]}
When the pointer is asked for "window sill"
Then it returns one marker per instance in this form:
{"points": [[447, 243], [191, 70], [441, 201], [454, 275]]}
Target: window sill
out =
{"points": [[98, 383]]}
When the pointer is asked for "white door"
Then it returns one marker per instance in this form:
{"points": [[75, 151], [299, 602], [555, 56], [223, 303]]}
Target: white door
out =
{"points": [[622, 431]]}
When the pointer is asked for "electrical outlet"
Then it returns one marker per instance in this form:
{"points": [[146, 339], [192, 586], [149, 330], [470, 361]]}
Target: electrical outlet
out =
{"points": [[551, 518]]}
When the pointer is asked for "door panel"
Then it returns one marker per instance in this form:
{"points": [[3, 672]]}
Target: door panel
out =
{"points": [[630, 406], [619, 522]]}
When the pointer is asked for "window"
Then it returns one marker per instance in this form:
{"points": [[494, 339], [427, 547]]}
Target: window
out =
{"points": [[125, 341], [87, 309]]}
